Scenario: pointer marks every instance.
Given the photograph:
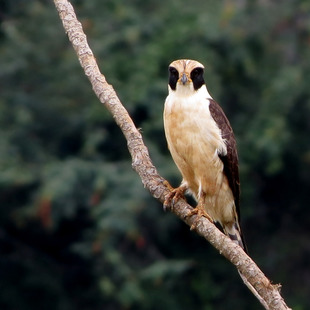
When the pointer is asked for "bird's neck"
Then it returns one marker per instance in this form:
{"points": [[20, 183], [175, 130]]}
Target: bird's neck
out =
{"points": [[183, 91]]}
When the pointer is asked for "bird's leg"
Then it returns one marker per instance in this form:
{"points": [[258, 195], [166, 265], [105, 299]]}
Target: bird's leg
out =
{"points": [[200, 211], [174, 195]]}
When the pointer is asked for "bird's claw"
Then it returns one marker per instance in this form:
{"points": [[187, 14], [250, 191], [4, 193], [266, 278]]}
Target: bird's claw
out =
{"points": [[174, 195], [199, 212]]}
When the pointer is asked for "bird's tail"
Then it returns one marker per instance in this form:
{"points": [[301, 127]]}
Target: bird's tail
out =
{"points": [[233, 231]]}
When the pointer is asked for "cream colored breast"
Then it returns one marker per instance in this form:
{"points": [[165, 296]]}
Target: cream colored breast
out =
{"points": [[187, 120]]}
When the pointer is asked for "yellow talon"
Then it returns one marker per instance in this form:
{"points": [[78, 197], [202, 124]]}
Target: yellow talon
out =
{"points": [[199, 211], [174, 195]]}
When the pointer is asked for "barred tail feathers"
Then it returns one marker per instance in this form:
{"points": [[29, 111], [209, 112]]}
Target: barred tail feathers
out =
{"points": [[233, 231]]}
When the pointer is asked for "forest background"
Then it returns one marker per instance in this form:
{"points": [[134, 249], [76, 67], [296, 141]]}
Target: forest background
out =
{"points": [[77, 228]]}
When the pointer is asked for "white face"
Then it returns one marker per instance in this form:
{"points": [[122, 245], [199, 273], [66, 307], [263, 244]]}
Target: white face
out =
{"points": [[186, 75]]}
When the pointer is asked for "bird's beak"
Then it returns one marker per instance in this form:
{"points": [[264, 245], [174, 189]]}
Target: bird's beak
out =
{"points": [[184, 79]]}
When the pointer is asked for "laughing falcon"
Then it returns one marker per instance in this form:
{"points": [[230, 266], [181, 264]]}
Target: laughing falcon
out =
{"points": [[203, 147]]}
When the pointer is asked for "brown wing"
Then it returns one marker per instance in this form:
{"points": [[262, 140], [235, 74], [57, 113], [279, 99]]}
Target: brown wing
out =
{"points": [[230, 160]]}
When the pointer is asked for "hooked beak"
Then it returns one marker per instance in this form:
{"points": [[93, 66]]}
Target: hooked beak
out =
{"points": [[184, 79]]}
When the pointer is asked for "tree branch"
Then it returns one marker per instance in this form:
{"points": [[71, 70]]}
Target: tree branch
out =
{"points": [[252, 276]]}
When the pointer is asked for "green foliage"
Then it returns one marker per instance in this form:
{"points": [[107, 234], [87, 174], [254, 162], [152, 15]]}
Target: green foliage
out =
{"points": [[78, 230]]}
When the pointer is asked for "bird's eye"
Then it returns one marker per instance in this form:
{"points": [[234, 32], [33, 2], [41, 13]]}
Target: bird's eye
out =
{"points": [[196, 72], [173, 77], [173, 72], [197, 78]]}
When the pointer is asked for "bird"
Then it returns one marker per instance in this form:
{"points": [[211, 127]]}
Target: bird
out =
{"points": [[203, 146]]}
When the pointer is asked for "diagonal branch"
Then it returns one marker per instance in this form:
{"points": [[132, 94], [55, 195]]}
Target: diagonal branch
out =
{"points": [[252, 276]]}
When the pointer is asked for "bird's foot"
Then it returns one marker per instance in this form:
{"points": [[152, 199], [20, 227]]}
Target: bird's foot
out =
{"points": [[174, 195], [199, 211]]}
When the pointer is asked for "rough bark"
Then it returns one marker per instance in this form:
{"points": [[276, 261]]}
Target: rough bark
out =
{"points": [[253, 277]]}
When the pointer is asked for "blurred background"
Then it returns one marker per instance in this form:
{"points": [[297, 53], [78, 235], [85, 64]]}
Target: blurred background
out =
{"points": [[77, 228]]}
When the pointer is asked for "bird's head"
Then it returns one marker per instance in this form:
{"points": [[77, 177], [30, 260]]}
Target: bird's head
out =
{"points": [[186, 76]]}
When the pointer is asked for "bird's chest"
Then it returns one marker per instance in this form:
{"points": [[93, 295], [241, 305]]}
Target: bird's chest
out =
{"points": [[191, 131], [195, 141]]}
